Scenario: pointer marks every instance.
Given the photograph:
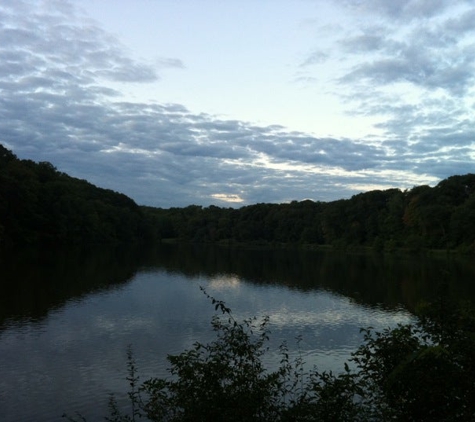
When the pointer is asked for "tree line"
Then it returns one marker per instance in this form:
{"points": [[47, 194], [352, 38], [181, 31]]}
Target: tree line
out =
{"points": [[440, 217], [38, 203]]}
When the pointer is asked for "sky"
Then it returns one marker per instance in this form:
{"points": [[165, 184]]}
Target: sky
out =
{"points": [[238, 102]]}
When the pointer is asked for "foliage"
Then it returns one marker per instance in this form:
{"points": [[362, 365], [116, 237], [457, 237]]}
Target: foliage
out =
{"points": [[226, 380], [418, 372], [441, 217], [40, 204]]}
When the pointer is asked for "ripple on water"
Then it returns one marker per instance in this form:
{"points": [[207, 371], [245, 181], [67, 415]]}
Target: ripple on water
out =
{"points": [[76, 356]]}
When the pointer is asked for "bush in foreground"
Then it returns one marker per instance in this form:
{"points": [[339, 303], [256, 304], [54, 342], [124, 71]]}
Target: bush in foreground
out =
{"points": [[419, 372]]}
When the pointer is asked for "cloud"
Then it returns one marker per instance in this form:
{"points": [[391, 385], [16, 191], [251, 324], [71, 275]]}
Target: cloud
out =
{"points": [[461, 24], [61, 77], [317, 57], [403, 10], [168, 62], [411, 63], [425, 59], [35, 42], [363, 43]]}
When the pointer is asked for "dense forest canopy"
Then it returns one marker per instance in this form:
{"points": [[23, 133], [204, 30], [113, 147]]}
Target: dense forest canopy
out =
{"points": [[423, 217], [40, 204]]}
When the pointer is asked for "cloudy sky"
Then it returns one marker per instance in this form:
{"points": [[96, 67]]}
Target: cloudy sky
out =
{"points": [[238, 102]]}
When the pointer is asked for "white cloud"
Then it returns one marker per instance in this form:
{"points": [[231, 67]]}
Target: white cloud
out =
{"points": [[403, 71]]}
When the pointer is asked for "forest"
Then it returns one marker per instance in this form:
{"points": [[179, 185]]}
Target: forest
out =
{"points": [[39, 204], [424, 217]]}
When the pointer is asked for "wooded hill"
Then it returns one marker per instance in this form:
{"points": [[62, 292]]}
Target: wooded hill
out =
{"points": [[40, 204]]}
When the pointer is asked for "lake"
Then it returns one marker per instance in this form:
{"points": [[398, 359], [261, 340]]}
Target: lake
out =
{"points": [[68, 317]]}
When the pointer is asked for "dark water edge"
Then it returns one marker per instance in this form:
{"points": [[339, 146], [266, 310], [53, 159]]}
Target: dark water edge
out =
{"points": [[35, 281], [372, 279]]}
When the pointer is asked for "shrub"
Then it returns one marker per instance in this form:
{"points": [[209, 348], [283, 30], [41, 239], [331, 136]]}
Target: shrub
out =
{"points": [[418, 372]]}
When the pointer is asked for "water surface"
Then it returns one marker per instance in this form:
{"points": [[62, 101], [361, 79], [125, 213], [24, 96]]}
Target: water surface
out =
{"points": [[67, 318]]}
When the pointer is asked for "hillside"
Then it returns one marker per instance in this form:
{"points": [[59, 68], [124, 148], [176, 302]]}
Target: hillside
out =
{"points": [[39, 204]]}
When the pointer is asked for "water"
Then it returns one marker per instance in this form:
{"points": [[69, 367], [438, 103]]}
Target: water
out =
{"points": [[67, 319]]}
